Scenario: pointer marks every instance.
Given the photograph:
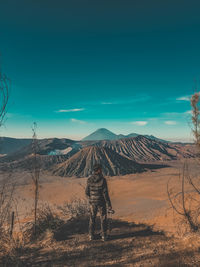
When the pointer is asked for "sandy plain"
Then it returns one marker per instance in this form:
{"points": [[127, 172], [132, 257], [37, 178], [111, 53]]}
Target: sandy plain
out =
{"points": [[139, 198], [144, 228]]}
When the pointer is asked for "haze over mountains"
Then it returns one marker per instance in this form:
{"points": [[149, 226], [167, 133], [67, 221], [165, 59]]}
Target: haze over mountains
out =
{"points": [[104, 134], [10, 145]]}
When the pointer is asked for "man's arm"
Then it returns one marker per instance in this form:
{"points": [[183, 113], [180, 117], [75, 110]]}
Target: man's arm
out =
{"points": [[87, 190], [106, 194]]}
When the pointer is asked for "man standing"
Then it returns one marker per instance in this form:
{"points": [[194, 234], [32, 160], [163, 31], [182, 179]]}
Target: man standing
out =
{"points": [[99, 200]]}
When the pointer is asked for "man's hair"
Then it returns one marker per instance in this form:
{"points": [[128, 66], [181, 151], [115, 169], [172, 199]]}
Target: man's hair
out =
{"points": [[96, 167]]}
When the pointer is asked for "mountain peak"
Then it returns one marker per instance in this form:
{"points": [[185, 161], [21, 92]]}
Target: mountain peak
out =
{"points": [[100, 134], [105, 134], [104, 130]]}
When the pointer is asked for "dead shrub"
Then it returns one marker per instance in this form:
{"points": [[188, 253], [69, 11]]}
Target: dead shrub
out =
{"points": [[11, 249], [47, 219], [7, 188], [185, 199], [75, 209]]}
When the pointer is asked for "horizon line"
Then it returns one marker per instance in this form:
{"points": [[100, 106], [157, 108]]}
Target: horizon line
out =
{"points": [[182, 140]]}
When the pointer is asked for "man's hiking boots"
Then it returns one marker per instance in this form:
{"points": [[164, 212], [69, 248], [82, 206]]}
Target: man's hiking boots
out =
{"points": [[103, 238], [91, 237]]}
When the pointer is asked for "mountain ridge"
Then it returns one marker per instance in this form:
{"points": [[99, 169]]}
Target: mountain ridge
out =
{"points": [[105, 134], [81, 164], [120, 157], [143, 149]]}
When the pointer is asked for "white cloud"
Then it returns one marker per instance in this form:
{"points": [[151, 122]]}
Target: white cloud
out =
{"points": [[78, 121], [183, 98], [188, 112], [172, 113], [106, 103], [137, 98], [70, 110], [170, 122], [139, 123], [176, 113]]}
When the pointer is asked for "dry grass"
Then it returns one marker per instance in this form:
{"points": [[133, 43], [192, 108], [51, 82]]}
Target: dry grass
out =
{"points": [[65, 243], [47, 220], [75, 208]]}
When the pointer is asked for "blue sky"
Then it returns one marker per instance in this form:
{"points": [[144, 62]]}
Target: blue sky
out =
{"points": [[76, 66]]}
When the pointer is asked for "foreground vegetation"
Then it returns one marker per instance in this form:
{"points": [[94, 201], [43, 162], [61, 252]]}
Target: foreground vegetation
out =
{"points": [[62, 240]]}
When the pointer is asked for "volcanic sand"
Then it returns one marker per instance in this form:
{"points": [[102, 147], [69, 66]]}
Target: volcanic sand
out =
{"points": [[140, 198]]}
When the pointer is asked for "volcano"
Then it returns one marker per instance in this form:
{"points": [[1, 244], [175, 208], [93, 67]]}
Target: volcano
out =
{"points": [[142, 149], [81, 164], [105, 134]]}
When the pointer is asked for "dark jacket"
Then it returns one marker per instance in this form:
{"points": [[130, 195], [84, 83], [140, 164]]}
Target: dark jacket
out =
{"points": [[97, 190]]}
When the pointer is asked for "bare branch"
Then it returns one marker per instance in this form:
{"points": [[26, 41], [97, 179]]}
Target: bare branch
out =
{"points": [[4, 96], [35, 173], [170, 199]]}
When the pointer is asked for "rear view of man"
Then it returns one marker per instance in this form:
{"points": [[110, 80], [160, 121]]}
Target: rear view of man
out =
{"points": [[99, 200]]}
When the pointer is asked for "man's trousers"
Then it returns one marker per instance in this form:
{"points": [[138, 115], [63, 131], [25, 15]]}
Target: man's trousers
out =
{"points": [[94, 208]]}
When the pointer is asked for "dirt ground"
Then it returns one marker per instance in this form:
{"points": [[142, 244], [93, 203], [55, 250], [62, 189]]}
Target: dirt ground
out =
{"points": [[141, 198], [144, 228]]}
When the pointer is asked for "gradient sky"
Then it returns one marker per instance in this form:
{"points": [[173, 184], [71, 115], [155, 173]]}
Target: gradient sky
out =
{"points": [[75, 66]]}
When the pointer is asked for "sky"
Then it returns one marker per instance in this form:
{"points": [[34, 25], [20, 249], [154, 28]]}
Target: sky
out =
{"points": [[76, 66]]}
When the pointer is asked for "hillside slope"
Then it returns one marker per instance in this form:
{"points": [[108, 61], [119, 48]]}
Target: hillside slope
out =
{"points": [[50, 146], [81, 164], [10, 145], [144, 149]]}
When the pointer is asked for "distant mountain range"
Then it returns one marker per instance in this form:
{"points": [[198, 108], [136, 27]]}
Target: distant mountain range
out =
{"points": [[118, 154], [46, 147], [143, 149], [9, 145], [104, 134], [58, 146]]}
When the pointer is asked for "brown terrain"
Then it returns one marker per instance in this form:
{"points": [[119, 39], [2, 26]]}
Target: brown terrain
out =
{"points": [[81, 163], [69, 158], [144, 228], [141, 148], [144, 231]]}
